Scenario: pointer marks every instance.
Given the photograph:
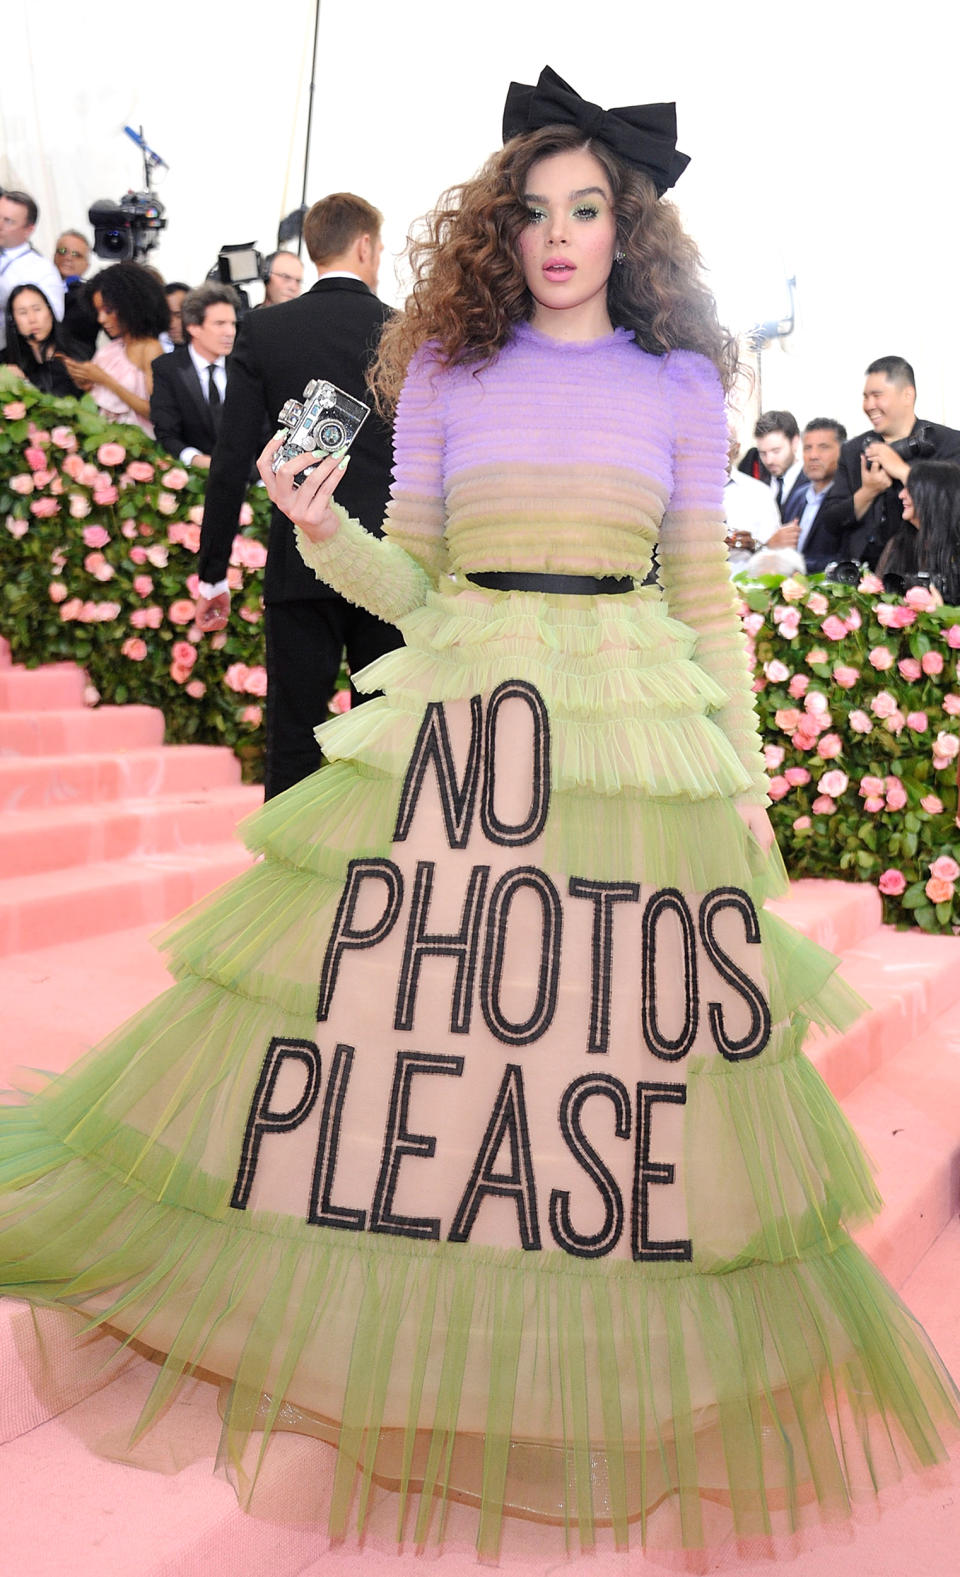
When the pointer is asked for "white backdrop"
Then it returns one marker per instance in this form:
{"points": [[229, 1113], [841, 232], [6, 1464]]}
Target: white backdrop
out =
{"points": [[823, 144]]}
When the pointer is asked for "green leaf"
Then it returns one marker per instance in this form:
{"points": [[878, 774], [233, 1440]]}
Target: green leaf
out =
{"points": [[944, 912], [914, 897], [926, 918]]}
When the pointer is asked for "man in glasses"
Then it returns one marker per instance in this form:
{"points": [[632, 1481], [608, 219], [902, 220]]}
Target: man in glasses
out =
{"points": [[282, 278], [71, 258], [20, 262]]}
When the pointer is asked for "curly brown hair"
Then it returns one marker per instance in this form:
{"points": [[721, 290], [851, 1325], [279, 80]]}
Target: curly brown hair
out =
{"points": [[469, 288]]}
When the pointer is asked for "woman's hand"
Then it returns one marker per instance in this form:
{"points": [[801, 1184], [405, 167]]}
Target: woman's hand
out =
{"points": [[84, 373], [308, 505], [757, 821]]}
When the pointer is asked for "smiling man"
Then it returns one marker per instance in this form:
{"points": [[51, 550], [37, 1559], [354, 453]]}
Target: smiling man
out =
{"points": [[864, 507]]}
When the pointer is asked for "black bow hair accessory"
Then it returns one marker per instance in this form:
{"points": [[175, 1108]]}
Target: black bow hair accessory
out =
{"points": [[644, 135]]}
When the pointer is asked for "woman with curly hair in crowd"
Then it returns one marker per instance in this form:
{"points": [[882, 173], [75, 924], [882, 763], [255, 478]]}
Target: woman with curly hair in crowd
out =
{"points": [[132, 309], [476, 1137], [37, 345], [928, 541]]}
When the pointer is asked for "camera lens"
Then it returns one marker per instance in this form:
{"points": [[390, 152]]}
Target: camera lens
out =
{"points": [[331, 435]]}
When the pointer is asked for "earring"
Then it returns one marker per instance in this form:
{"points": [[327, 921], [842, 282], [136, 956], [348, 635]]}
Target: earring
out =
{"points": [[619, 257]]}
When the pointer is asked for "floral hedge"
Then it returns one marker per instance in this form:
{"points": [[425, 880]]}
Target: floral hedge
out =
{"points": [[859, 702], [99, 530]]}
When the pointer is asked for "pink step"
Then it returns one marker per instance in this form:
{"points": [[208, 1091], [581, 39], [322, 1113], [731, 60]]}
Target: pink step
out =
{"points": [[53, 839], [838, 915], [29, 782], [87, 900], [80, 730], [41, 689], [47, 1366]]}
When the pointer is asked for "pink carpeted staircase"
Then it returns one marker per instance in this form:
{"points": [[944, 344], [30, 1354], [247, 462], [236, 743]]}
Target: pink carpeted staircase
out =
{"points": [[104, 833]]}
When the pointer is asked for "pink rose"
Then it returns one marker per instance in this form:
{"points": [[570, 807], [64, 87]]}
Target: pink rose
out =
{"points": [[138, 555], [787, 719], [883, 704], [903, 618], [772, 757], [72, 466], [778, 787], [248, 552], [823, 805], [21, 483], [144, 529], [896, 722], [753, 624], [885, 614], [860, 723], [802, 824], [103, 571], [95, 537], [143, 585], [256, 681], [816, 702], [892, 882], [44, 508], [111, 454], [951, 705], [134, 648], [64, 438], [193, 586], [195, 514], [235, 677], [140, 471], [817, 603], [921, 598], [36, 458], [70, 610], [253, 715], [79, 506], [945, 869], [245, 517], [932, 804], [167, 503], [176, 478], [57, 591], [179, 673], [909, 668], [834, 784], [184, 654], [881, 657], [146, 618], [952, 637], [37, 434], [834, 628], [792, 590], [218, 642], [805, 737], [947, 745], [15, 411], [341, 701], [44, 479], [817, 656], [181, 611], [158, 555], [896, 794], [776, 671], [107, 612], [105, 496], [844, 676], [870, 585], [917, 721], [251, 615], [17, 528], [196, 688], [797, 776], [797, 688], [830, 746], [790, 624], [931, 663], [853, 620], [89, 475], [870, 785], [874, 803], [938, 891], [235, 578], [190, 538]]}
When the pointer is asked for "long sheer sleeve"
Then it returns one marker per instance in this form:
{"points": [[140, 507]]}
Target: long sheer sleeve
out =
{"points": [[392, 576], [693, 555]]}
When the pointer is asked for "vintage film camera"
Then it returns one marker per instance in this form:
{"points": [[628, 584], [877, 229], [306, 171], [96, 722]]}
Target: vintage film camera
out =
{"points": [[325, 420]]}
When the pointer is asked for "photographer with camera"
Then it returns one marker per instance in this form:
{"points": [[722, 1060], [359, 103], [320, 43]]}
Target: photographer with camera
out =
{"points": [[20, 262], [864, 509]]}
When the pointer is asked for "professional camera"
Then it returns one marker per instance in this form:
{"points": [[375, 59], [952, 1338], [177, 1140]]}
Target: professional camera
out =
{"points": [[129, 229], [918, 445], [325, 420]]}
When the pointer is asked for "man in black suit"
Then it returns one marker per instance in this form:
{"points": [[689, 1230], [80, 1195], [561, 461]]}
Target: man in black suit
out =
{"points": [[864, 507], [332, 333], [190, 383]]}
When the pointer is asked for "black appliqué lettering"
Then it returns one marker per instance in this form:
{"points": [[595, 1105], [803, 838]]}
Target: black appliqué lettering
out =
{"points": [[753, 1042], [463, 945], [398, 1143], [262, 1120], [667, 900], [343, 936], [322, 1213], [648, 1173], [494, 829], [541, 1016], [508, 1122], [457, 799], [607, 1237], [604, 895]]}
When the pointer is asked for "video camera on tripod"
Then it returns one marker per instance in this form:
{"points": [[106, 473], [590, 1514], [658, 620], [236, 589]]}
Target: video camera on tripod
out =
{"points": [[127, 230]]}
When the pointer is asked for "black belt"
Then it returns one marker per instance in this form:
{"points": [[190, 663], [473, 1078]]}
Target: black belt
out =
{"points": [[560, 585]]}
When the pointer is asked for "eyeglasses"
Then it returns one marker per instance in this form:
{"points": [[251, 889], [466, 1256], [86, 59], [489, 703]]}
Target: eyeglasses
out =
{"points": [[69, 251], [291, 279]]}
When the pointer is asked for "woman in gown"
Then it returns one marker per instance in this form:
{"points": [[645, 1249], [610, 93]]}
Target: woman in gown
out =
{"points": [[132, 310], [476, 1136]]}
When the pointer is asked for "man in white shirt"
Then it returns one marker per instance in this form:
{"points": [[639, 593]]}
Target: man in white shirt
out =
{"points": [[190, 383], [20, 263]]}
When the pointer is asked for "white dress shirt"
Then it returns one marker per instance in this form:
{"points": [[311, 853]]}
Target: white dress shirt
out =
{"points": [[21, 265], [749, 506]]}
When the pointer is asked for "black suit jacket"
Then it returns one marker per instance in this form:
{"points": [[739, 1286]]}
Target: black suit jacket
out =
{"points": [[864, 540], [791, 507], [179, 409], [331, 332]]}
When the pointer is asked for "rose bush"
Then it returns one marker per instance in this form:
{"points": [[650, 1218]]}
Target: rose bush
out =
{"points": [[859, 702]]}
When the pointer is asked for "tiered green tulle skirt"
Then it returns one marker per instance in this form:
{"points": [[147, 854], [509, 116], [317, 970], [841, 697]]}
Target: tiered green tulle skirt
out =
{"points": [[595, 1271]]}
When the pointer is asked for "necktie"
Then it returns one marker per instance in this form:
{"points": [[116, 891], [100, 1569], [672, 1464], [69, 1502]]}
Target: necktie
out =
{"points": [[780, 494], [213, 396]]}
